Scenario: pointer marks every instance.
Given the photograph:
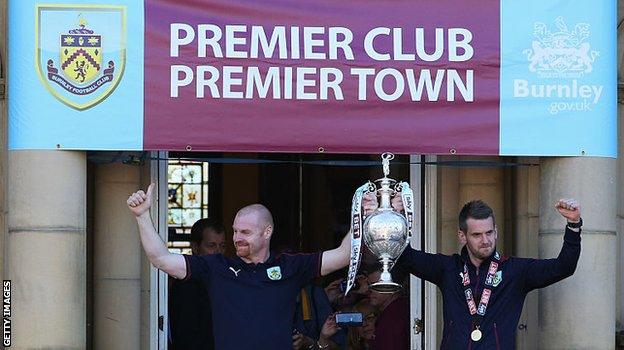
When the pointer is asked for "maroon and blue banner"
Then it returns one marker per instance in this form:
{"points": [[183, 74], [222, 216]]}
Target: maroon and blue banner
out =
{"points": [[432, 77], [350, 76]]}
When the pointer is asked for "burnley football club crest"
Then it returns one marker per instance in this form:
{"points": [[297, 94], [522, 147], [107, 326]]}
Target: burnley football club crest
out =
{"points": [[81, 51], [274, 273]]}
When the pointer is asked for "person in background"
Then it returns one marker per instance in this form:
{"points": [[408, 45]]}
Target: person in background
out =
{"points": [[337, 298], [361, 338], [314, 324], [392, 326], [190, 321], [207, 237]]}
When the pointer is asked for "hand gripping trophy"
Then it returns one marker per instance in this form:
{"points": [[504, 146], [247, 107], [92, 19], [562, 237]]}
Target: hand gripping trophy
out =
{"points": [[386, 232]]}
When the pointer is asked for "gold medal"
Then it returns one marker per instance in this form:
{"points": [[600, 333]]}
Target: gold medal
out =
{"points": [[476, 335]]}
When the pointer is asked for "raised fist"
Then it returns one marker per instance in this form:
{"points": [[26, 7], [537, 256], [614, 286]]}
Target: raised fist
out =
{"points": [[569, 209]]}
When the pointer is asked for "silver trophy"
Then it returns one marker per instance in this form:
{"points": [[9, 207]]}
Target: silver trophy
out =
{"points": [[386, 232]]}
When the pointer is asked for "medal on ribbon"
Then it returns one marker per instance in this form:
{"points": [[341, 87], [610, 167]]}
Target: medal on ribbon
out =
{"points": [[492, 280]]}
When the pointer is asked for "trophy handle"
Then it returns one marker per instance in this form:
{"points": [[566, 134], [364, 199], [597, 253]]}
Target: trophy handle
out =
{"points": [[407, 196], [356, 233]]}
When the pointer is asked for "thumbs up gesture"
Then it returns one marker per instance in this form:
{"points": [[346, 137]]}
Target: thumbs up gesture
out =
{"points": [[139, 202]]}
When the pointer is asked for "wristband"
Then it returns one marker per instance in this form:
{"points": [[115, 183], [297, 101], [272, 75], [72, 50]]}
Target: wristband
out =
{"points": [[576, 224]]}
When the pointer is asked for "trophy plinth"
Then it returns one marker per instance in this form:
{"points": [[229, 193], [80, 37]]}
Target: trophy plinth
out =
{"points": [[385, 283]]}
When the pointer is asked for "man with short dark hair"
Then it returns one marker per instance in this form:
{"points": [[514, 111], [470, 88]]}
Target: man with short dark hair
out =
{"points": [[252, 295], [482, 291], [189, 305], [207, 237]]}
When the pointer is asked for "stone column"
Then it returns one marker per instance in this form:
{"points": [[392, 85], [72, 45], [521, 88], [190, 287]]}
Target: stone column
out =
{"points": [[579, 312], [46, 249], [117, 259]]}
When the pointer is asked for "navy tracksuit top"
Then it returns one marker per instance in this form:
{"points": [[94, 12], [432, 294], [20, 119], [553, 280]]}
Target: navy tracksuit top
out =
{"points": [[519, 277]]}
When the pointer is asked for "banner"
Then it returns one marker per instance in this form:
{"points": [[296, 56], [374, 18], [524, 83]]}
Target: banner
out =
{"points": [[433, 77]]}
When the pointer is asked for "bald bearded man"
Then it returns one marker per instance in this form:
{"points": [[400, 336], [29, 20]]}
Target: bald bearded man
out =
{"points": [[253, 295]]}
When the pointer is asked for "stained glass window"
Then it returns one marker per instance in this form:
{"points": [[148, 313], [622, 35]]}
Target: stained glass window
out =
{"points": [[187, 200]]}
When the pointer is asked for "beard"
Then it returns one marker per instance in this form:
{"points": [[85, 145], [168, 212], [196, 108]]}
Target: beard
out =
{"points": [[483, 253], [243, 250]]}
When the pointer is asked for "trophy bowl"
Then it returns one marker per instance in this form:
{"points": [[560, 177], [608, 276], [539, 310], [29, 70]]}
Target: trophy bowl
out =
{"points": [[386, 236]]}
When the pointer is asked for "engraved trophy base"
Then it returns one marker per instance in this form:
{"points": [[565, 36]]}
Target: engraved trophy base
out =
{"points": [[386, 287], [385, 283]]}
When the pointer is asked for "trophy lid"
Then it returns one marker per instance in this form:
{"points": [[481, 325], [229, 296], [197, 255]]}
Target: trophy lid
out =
{"points": [[385, 161], [386, 157]]}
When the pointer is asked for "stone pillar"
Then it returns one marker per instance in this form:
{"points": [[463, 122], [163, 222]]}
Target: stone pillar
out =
{"points": [[579, 312], [46, 249], [117, 259]]}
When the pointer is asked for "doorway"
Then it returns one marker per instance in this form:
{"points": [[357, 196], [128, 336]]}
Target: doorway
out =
{"points": [[309, 195]]}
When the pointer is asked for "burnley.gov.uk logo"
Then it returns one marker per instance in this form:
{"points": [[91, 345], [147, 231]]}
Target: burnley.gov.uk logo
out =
{"points": [[81, 52], [564, 53], [562, 61]]}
